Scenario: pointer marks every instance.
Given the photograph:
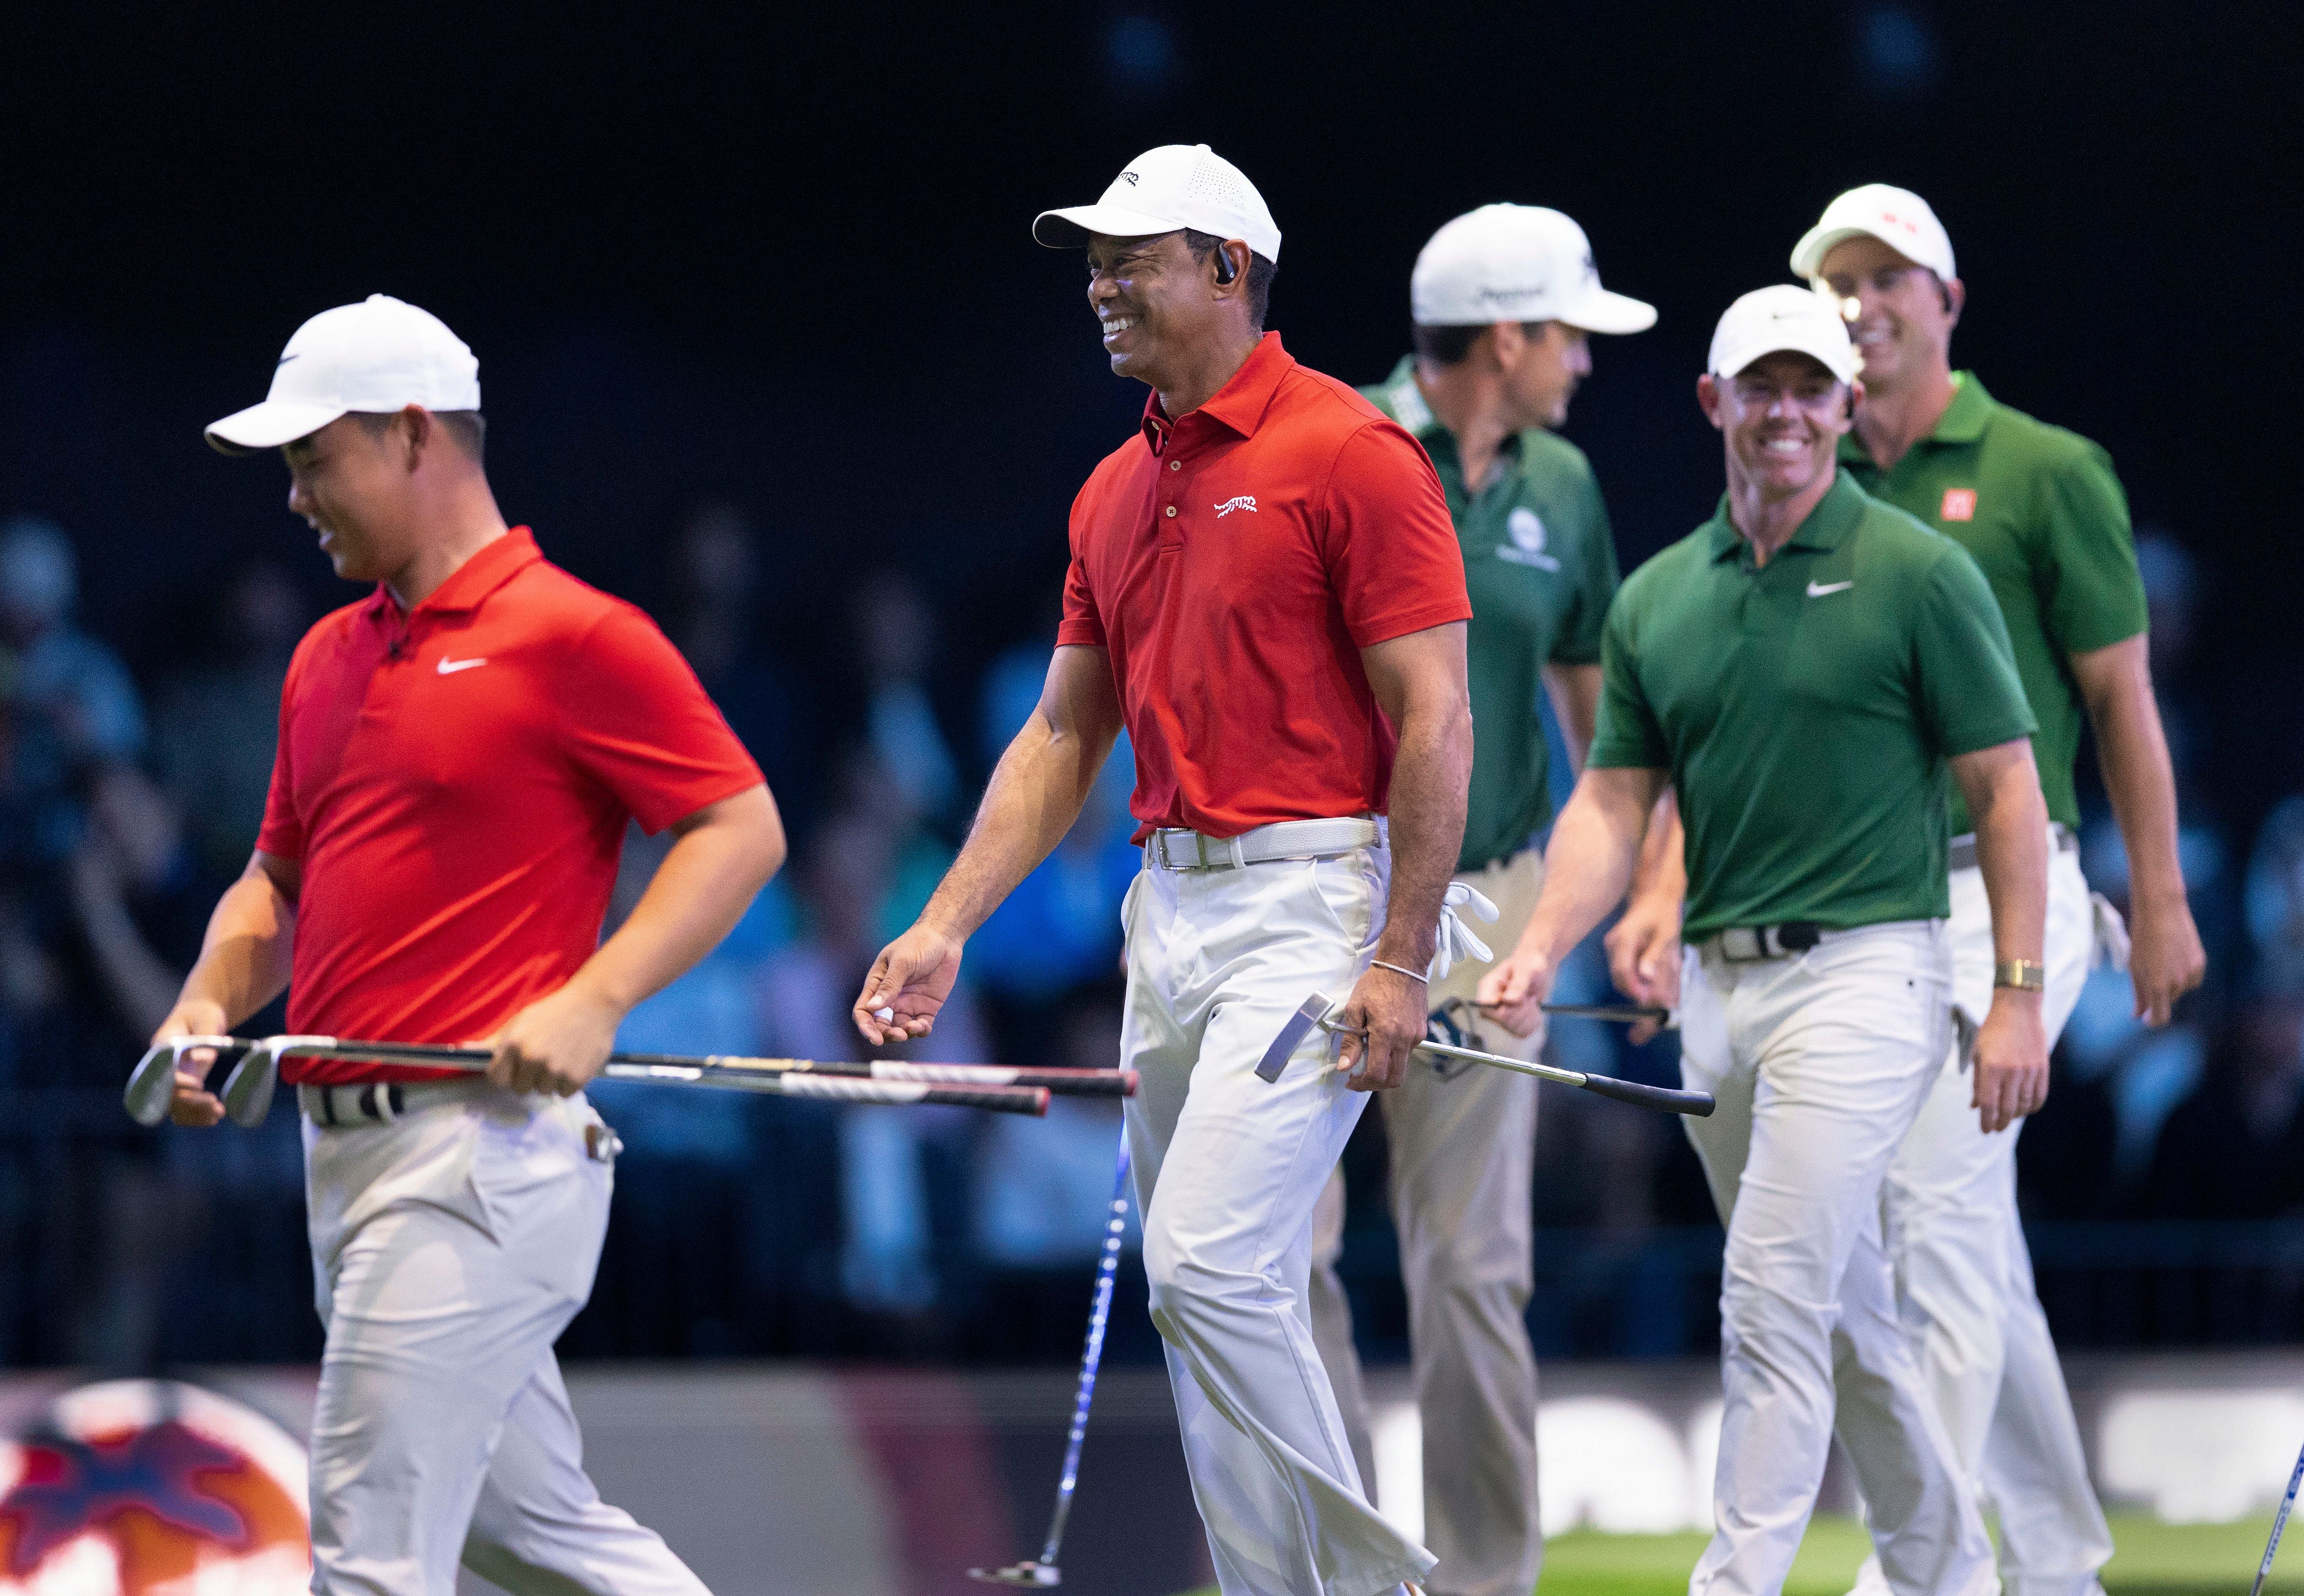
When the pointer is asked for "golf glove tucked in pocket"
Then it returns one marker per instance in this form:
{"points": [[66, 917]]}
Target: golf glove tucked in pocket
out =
{"points": [[1456, 940]]}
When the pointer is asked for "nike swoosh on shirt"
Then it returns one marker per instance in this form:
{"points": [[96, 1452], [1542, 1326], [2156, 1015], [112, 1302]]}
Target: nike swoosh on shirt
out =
{"points": [[448, 667], [1819, 589]]}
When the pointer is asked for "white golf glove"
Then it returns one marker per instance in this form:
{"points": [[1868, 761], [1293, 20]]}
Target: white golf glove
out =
{"points": [[1456, 940]]}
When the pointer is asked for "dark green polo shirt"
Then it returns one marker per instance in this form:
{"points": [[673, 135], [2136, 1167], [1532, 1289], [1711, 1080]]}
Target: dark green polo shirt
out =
{"points": [[1805, 710], [1540, 565], [2042, 512]]}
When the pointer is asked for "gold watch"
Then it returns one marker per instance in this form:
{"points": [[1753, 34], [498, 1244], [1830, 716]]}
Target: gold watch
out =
{"points": [[2024, 974]]}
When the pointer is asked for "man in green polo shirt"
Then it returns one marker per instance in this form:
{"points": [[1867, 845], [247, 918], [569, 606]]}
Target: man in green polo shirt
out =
{"points": [[2044, 516], [1811, 671], [1502, 300]]}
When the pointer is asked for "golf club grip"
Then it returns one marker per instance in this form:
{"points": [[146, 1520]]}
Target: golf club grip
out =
{"points": [[1079, 1082], [1004, 1100], [1664, 1099]]}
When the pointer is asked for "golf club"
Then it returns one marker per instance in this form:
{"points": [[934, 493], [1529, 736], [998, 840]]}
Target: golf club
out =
{"points": [[2279, 1522], [1315, 1009], [1042, 1571], [247, 1091]]}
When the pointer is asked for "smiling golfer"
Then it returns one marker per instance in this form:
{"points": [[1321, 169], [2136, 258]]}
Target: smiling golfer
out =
{"points": [[460, 755], [1809, 669], [1266, 588]]}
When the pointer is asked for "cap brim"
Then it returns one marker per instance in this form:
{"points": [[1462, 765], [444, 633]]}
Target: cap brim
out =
{"points": [[1601, 311], [268, 426], [1743, 358], [1070, 229]]}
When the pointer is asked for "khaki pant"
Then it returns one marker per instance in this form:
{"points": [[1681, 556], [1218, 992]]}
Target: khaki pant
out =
{"points": [[1463, 1151]]}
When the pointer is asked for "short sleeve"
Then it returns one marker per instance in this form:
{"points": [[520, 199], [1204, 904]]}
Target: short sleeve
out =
{"points": [[1390, 547], [1970, 696], [2094, 596], [1627, 735], [1082, 625], [282, 834], [636, 719], [1580, 637]]}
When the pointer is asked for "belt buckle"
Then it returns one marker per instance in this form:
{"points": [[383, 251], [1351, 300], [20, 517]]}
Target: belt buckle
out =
{"points": [[1743, 944]]}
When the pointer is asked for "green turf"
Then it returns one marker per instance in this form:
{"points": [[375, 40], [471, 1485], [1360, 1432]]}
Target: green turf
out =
{"points": [[2153, 1559]]}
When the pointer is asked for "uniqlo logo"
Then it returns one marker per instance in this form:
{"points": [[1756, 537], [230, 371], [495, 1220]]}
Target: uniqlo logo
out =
{"points": [[1960, 504]]}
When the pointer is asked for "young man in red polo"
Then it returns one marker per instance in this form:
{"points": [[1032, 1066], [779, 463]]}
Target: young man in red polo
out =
{"points": [[1266, 588], [459, 754]]}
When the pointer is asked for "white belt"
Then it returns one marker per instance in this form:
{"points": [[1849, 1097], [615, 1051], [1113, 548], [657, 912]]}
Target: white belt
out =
{"points": [[1961, 855], [1177, 848]]}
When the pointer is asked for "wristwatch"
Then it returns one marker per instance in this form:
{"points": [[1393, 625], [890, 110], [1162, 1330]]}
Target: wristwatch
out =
{"points": [[2024, 974]]}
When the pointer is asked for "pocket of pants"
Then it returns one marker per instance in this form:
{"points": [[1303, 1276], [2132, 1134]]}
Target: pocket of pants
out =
{"points": [[1346, 888]]}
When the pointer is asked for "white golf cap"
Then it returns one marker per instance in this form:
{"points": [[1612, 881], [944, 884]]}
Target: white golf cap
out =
{"points": [[1176, 185], [379, 356], [1516, 263], [1784, 317], [1898, 217]]}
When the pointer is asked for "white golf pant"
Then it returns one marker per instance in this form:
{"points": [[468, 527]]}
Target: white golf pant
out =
{"points": [[1228, 1166], [1462, 1141], [1819, 1062], [1964, 1278], [449, 1250]]}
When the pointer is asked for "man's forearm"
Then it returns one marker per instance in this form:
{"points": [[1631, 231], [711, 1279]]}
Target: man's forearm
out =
{"points": [[706, 883], [244, 957], [2012, 851], [2132, 752], [1663, 869], [1431, 774], [1035, 795], [1595, 844]]}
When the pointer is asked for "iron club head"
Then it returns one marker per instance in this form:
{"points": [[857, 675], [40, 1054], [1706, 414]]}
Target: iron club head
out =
{"points": [[1300, 1024], [1027, 1573], [247, 1089], [152, 1084]]}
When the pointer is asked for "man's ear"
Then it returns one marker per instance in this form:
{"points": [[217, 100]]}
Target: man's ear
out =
{"points": [[1506, 343], [1955, 298], [420, 430], [1708, 398]]}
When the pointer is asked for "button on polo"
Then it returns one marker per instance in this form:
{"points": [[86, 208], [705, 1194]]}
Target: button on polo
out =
{"points": [[1175, 465], [1171, 509]]}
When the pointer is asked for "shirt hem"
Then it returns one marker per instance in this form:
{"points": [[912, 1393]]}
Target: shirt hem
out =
{"points": [[1414, 620]]}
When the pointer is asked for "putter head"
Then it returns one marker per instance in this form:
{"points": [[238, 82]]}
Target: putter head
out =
{"points": [[1302, 1024], [1027, 1573], [152, 1084], [247, 1089]]}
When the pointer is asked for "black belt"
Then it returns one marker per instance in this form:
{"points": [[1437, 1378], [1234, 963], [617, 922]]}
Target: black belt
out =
{"points": [[368, 1102], [1748, 944]]}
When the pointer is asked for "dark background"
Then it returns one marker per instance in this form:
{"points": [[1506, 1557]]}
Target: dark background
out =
{"points": [[780, 257], [781, 253]]}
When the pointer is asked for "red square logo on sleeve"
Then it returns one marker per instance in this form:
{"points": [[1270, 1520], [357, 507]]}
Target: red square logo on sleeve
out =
{"points": [[1959, 504]]}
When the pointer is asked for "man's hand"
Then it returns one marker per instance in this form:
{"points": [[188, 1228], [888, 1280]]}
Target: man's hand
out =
{"points": [[2012, 1060], [1389, 1007], [192, 1103], [907, 986], [1514, 989], [557, 1043], [1644, 956], [2165, 960]]}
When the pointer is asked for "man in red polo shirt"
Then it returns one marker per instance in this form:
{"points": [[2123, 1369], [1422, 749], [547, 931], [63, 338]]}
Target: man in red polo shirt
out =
{"points": [[1265, 587], [459, 754]]}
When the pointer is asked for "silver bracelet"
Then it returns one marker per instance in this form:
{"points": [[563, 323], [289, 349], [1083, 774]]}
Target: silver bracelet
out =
{"points": [[1396, 969]]}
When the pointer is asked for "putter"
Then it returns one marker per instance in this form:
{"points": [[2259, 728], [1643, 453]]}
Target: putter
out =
{"points": [[2279, 1522], [1314, 1011], [1042, 1571], [248, 1092]]}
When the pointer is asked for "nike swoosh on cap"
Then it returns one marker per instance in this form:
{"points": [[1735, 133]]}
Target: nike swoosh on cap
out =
{"points": [[1819, 589]]}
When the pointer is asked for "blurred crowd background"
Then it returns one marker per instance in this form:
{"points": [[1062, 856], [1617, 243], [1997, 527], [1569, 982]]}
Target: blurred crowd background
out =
{"points": [[2157, 1181], [765, 349]]}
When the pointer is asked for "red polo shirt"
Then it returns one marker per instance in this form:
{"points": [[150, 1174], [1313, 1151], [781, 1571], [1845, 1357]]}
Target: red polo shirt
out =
{"points": [[456, 781], [1235, 560]]}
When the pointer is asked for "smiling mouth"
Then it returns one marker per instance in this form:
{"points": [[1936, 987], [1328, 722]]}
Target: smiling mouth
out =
{"points": [[1113, 326], [1786, 448]]}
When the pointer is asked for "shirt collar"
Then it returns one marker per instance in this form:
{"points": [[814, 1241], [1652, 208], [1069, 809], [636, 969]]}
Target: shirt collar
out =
{"points": [[1240, 404], [1962, 422], [1400, 398], [498, 561], [1828, 526]]}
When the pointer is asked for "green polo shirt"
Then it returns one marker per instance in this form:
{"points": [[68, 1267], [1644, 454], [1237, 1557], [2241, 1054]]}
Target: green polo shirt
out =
{"points": [[2042, 512], [1540, 566], [1805, 710]]}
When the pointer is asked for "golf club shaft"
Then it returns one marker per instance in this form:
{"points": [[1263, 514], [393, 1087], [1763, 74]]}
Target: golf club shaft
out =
{"points": [[2279, 1522], [1100, 1309], [1664, 1099]]}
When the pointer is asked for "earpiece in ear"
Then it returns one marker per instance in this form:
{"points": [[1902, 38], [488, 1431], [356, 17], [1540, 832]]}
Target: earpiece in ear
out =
{"points": [[1226, 270]]}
